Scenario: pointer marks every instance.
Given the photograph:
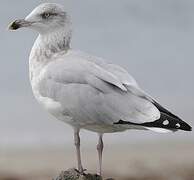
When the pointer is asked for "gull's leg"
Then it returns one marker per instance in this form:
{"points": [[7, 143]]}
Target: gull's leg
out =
{"points": [[100, 147], [77, 145]]}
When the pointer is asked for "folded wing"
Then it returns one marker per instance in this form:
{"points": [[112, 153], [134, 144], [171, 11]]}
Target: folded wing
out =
{"points": [[93, 91]]}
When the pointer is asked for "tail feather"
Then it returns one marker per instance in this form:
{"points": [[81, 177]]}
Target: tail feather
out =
{"points": [[159, 130]]}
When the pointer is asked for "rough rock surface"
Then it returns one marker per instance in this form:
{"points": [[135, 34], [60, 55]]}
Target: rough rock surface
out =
{"points": [[73, 174]]}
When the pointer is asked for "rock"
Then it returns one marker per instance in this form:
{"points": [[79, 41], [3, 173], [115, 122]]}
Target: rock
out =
{"points": [[73, 174]]}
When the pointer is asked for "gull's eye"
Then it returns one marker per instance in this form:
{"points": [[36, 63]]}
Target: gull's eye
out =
{"points": [[45, 15]]}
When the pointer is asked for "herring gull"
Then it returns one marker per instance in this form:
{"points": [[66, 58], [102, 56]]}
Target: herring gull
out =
{"points": [[85, 91]]}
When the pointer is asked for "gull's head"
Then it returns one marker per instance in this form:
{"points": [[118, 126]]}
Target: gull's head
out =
{"points": [[45, 18]]}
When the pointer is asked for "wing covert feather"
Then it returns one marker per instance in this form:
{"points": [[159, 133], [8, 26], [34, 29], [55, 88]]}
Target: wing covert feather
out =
{"points": [[83, 87]]}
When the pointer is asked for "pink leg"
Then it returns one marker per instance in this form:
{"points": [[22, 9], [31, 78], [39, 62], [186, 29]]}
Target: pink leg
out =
{"points": [[77, 145], [100, 147]]}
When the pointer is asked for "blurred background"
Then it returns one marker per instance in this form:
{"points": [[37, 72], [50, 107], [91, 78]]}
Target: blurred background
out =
{"points": [[152, 39]]}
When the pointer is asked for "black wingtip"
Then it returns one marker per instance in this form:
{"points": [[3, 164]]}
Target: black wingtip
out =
{"points": [[166, 122], [175, 122], [186, 127]]}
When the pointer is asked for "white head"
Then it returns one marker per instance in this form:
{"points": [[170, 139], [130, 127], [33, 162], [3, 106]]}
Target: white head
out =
{"points": [[48, 19], [45, 18]]}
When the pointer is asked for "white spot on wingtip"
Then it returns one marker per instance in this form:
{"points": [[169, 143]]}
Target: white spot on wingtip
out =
{"points": [[166, 122], [177, 125]]}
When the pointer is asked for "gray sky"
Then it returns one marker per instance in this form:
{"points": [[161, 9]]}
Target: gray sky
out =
{"points": [[152, 39]]}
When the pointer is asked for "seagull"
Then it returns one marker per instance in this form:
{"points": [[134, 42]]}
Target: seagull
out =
{"points": [[85, 91]]}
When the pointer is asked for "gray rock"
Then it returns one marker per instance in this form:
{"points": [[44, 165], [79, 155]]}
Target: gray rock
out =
{"points": [[73, 174]]}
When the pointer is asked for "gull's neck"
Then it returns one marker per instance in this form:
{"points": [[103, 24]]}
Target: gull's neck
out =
{"points": [[55, 41], [46, 45]]}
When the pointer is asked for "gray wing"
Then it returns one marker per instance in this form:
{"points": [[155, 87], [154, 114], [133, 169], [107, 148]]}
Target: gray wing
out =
{"points": [[91, 92]]}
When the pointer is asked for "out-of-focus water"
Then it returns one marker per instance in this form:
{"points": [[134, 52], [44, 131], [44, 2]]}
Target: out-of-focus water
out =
{"points": [[152, 39], [153, 161]]}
